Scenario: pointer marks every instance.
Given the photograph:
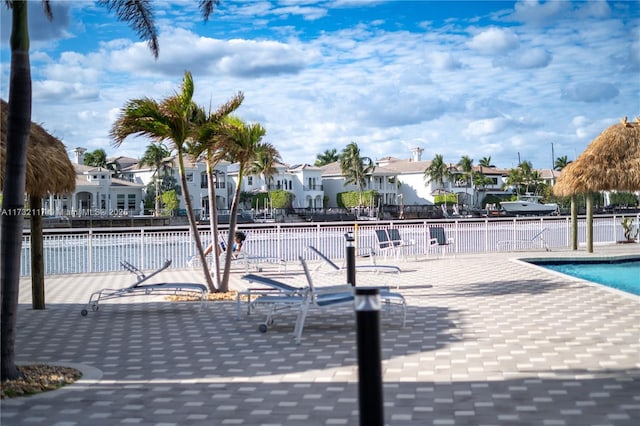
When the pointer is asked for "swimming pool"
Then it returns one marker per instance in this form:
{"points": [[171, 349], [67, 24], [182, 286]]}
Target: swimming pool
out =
{"points": [[621, 273]]}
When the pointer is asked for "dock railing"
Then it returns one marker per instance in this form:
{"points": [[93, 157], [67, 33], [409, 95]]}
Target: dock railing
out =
{"points": [[74, 251]]}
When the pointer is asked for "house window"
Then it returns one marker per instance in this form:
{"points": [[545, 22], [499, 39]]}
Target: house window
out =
{"points": [[189, 176], [120, 201], [204, 183], [131, 202], [250, 180]]}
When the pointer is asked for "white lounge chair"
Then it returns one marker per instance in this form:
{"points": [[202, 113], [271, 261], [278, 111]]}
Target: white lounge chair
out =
{"points": [[286, 297], [536, 241], [275, 295], [139, 288], [333, 267], [245, 257]]}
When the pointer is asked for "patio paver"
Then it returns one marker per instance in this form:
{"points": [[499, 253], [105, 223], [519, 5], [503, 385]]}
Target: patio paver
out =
{"points": [[488, 341]]}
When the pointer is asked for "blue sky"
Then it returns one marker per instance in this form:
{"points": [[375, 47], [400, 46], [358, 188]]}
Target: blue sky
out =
{"points": [[502, 79]]}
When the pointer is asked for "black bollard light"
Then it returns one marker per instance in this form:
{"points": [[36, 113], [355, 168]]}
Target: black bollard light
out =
{"points": [[371, 404], [351, 258]]}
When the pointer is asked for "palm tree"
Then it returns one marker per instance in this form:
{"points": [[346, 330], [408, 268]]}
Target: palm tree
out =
{"points": [[438, 171], [242, 144], [535, 179], [561, 163], [466, 165], [526, 170], [480, 181], [139, 15], [514, 180], [97, 158], [328, 157], [355, 168], [262, 165], [485, 162], [157, 156], [172, 120], [206, 145]]}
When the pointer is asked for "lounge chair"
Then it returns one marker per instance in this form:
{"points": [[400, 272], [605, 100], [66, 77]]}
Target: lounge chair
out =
{"points": [[391, 243], [439, 241], [243, 256], [327, 297], [536, 241], [333, 267], [286, 297], [275, 295], [139, 288]]}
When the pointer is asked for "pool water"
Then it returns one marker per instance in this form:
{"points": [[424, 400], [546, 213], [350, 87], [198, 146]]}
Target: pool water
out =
{"points": [[619, 274]]}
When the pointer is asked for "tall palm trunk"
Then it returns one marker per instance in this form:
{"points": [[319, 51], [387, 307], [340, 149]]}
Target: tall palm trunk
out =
{"points": [[37, 253], [156, 206], [213, 221], [192, 222], [18, 127], [233, 222]]}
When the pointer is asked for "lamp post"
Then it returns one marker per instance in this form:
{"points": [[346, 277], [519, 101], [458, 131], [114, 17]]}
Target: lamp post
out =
{"points": [[371, 404], [351, 258]]}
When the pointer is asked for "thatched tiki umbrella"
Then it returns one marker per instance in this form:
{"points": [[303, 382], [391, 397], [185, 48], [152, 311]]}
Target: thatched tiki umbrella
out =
{"points": [[610, 162], [49, 171]]}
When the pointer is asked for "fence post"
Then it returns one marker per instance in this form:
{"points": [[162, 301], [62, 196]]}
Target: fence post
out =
{"points": [[371, 403], [142, 248], [486, 235], [90, 251]]}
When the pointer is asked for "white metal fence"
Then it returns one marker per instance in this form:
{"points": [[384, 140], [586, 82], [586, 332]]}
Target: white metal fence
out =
{"points": [[71, 251]]}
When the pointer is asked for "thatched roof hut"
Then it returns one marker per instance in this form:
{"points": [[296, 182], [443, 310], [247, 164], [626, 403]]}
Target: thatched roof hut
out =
{"points": [[49, 169], [610, 162]]}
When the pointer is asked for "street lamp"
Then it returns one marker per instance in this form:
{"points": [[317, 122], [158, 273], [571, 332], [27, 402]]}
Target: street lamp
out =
{"points": [[371, 403], [351, 258]]}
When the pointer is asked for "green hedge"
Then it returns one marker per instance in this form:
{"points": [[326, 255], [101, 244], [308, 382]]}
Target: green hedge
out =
{"points": [[445, 198], [350, 199], [278, 199]]}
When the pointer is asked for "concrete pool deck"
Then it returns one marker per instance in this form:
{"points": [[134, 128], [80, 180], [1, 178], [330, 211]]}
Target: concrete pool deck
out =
{"points": [[488, 341]]}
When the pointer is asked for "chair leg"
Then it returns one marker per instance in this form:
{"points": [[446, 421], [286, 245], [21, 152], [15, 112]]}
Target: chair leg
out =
{"points": [[302, 316]]}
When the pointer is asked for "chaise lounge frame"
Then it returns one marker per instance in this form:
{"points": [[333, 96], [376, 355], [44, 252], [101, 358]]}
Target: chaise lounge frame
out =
{"points": [[141, 289], [279, 296]]}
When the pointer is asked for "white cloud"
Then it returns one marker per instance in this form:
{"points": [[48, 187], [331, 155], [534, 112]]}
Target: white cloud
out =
{"points": [[308, 13], [478, 90], [486, 127], [235, 58], [525, 59], [494, 41], [445, 61], [540, 13], [59, 91], [590, 92]]}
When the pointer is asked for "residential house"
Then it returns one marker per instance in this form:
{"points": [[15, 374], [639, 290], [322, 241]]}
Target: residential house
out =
{"points": [[302, 180], [98, 193]]}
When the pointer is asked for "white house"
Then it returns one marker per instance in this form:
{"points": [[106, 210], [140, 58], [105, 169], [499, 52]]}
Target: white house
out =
{"points": [[400, 182], [98, 193], [302, 180], [307, 188], [382, 180]]}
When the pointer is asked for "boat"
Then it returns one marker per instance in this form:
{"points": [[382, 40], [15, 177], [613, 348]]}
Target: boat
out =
{"points": [[528, 204]]}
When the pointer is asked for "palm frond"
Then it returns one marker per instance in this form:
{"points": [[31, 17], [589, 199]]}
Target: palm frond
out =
{"points": [[206, 7], [139, 15]]}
